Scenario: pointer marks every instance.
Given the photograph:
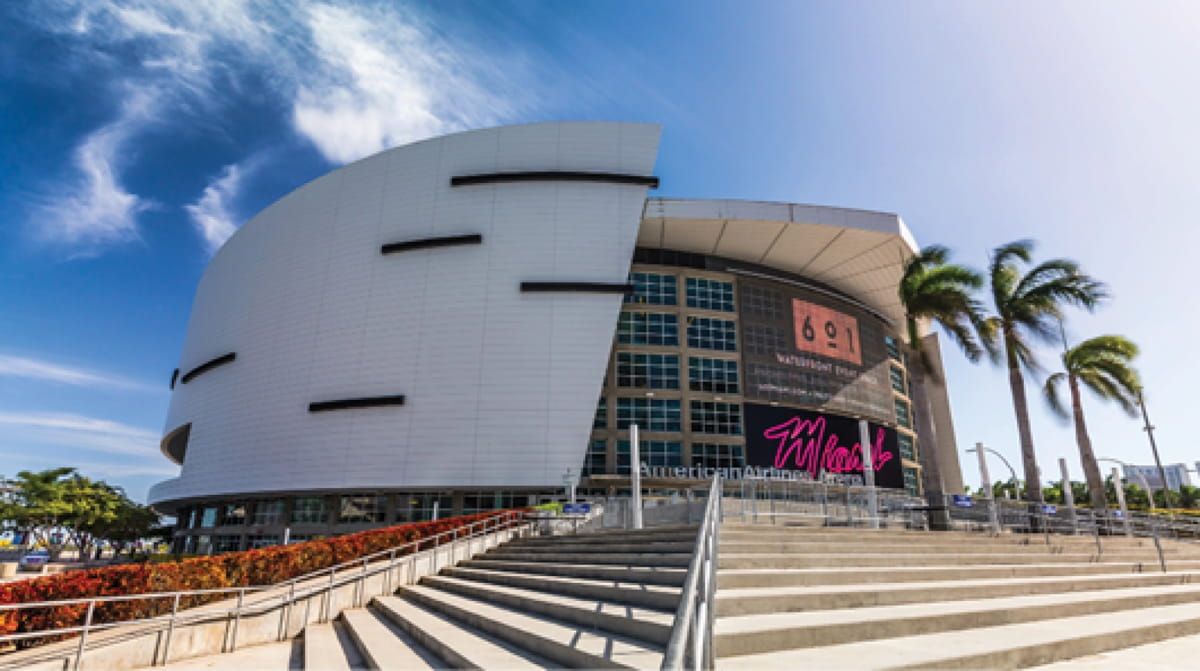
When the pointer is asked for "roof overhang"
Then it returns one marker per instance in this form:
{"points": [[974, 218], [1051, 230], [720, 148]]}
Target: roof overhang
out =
{"points": [[859, 253]]}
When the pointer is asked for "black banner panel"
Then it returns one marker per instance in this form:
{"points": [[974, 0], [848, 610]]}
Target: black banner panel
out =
{"points": [[818, 443], [804, 347]]}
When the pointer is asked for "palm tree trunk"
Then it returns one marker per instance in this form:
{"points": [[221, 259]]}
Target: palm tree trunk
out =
{"points": [[1033, 480], [931, 471], [1091, 469]]}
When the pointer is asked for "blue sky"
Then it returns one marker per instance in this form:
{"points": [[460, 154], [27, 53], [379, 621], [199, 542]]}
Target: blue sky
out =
{"points": [[136, 136]]}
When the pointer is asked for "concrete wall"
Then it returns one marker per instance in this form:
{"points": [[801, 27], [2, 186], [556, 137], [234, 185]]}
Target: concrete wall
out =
{"points": [[501, 385]]}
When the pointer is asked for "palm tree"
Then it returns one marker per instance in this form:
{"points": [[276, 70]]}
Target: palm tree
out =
{"points": [[935, 290], [1028, 309], [1102, 364]]}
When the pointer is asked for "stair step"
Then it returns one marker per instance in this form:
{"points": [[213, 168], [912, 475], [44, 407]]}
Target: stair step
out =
{"points": [[760, 546], [459, 647], [382, 647], [607, 547], [776, 599], [328, 648], [653, 575], [623, 559], [759, 633], [569, 646], [632, 593], [1007, 646], [741, 578], [1174, 653], [797, 560], [650, 625]]}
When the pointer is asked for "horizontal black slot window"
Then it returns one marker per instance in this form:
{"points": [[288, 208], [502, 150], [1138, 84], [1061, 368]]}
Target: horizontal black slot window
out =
{"points": [[207, 366], [427, 243], [350, 403], [555, 176], [577, 287]]}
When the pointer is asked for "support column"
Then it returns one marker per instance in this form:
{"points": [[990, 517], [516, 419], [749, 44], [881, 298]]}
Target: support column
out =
{"points": [[864, 441]]}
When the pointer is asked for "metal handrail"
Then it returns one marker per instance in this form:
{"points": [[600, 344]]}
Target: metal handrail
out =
{"points": [[693, 622], [396, 557]]}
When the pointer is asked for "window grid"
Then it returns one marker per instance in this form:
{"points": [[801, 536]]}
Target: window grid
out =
{"points": [[716, 417], [600, 421], [651, 452], [764, 340], [653, 289], [268, 512], [596, 459], [906, 446], [650, 414], [897, 379], [708, 333], [418, 506], [648, 328], [308, 510], [762, 302], [893, 347], [910, 482], [718, 376], [478, 502], [647, 371], [902, 415], [358, 509], [718, 455], [707, 294]]}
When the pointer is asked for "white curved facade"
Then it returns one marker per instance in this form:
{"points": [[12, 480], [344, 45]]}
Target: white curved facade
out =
{"points": [[500, 385]]}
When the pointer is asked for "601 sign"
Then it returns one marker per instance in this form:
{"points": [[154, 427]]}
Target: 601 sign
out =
{"points": [[825, 331]]}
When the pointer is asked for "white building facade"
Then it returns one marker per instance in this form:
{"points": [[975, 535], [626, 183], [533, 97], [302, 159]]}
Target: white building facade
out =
{"points": [[430, 329]]}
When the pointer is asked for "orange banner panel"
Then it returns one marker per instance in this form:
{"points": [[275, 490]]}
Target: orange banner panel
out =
{"points": [[827, 332]]}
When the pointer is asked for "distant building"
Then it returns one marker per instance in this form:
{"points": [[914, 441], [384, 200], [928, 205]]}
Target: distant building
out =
{"points": [[1177, 475]]}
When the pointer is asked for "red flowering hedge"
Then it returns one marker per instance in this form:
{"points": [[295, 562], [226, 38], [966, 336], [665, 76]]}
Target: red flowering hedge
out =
{"points": [[264, 566]]}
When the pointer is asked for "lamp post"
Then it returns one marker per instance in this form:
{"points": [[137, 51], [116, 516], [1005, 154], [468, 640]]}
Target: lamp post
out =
{"points": [[993, 516], [1149, 429], [1011, 470], [1128, 469]]}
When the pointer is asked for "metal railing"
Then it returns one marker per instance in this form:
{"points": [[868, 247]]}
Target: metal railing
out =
{"points": [[282, 596], [692, 630], [820, 504]]}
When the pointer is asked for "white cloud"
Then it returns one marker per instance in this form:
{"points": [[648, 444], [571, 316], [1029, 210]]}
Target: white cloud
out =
{"points": [[34, 369], [381, 80], [97, 210], [78, 432], [356, 79], [212, 214]]}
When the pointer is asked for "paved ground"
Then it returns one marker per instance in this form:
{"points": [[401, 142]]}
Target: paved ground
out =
{"points": [[1174, 654], [271, 657]]}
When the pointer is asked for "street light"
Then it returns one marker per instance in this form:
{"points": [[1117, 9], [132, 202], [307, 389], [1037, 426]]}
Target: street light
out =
{"points": [[1011, 470], [1129, 469]]}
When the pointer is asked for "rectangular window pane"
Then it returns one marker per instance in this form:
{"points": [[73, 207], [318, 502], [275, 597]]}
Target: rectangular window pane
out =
{"points": [[718, 376], [268, 512], [363, 508], [233, 514], [648, 328], [596, 459], [601, 419], [902, 416], [906, 446], [262, 541], [209, 518], [717, 455], [706, 333], [707, 294], [227, 544], [647, 371], [897, 379], [308, 510], [650, 414], [418, 506], [651, 452], [653, 289], [716, 417], [910, 481], [477, 502], [893, 347]]}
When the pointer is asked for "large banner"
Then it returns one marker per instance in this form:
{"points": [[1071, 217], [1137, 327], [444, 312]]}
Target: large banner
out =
{"points": [[818, 444], [805, 347]]}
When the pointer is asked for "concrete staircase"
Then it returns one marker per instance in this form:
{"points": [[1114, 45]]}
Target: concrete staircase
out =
{"points": [[857, 599], [601, 600]]}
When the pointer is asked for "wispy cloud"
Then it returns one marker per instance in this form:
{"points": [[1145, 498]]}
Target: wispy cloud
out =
{"points": [[212, 214], [45, 371], [97, 210], [355, 79], [78, 432]]}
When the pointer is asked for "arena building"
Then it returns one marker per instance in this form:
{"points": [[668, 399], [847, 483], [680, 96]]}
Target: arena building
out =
{"points": [[427, 331]]}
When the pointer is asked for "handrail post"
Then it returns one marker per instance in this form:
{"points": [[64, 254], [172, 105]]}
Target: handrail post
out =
{"points": [[328, 604], [83, 637], [237, 619], [170, 629]]}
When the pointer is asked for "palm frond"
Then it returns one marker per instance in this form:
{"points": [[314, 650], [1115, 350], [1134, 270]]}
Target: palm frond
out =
{"points": [[1050, 391]]}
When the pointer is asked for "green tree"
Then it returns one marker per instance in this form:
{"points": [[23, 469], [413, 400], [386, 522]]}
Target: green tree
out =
{"points": [[130, 523], [933, 290], [58, 507], [1104, 365], [1028, 308]]}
